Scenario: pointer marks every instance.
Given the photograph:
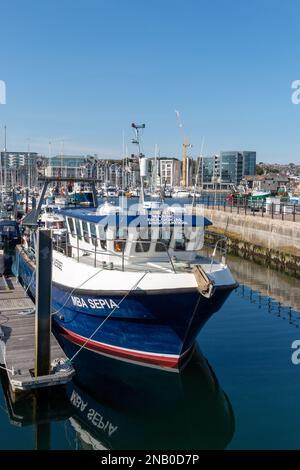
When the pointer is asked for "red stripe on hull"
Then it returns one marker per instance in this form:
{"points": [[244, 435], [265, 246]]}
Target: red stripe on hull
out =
{"points": [[162, 361]]}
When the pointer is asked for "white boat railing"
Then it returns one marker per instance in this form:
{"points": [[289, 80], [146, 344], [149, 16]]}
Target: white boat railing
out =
{"points": [[214, 248], [66, 248]]}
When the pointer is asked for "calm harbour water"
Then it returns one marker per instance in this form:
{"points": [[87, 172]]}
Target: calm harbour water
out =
{"points": [[240, 392]]}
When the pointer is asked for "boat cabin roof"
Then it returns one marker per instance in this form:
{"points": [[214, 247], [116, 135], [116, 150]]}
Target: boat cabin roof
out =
{"points": [[139, 220]]}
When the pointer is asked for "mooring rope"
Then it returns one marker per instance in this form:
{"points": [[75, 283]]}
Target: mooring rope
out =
{"points": [[108, 316], [30, 282], [70, 294], [74, 289], [7, 369]]}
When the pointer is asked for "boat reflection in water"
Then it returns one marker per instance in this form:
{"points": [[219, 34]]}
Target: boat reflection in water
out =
{"points": [[125, 406]]}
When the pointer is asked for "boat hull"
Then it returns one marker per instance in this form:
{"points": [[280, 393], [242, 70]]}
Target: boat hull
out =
{"points": [[156, 329]]}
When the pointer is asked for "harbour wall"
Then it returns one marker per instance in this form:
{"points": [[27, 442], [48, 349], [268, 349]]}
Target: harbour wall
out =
{"points": [[272, 242]]}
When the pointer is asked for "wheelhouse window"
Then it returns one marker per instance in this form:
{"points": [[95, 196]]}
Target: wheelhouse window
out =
{"points": [[161, 246], [163, 241], [78, 229], [120, 240], [71, 226], [55, 225], [102, 236], [94, 234], [180, 240], [119, 246], [143, 240], [85, 229], [179, 245]]}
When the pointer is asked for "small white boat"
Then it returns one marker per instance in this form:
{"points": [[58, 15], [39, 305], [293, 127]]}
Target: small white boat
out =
{"points": [[181, 193], [55, 222], [111, 191]]}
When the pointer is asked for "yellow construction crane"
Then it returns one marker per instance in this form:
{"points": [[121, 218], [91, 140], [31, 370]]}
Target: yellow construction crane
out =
{"points": [[186, 144]]}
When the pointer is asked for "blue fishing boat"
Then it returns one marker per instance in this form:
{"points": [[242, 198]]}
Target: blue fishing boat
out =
{"points": [[136, 283], [136, 287]]}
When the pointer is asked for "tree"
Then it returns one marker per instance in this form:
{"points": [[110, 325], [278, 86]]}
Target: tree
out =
{"points": [[259, 170]]}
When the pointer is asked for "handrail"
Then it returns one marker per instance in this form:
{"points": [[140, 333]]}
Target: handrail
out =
{"points": [[284, 209], [108, 252], [215, 246], [215, 249]]}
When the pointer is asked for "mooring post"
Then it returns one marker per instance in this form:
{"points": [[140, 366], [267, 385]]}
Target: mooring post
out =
{"points": [[26, 200], [15, 208], [43, 302]]}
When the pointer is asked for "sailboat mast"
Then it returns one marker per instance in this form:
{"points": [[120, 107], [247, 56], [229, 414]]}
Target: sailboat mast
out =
{"points": [[4, 160], [155, 167], [197, 174], [28, 166], [61, 157], [123, 163]]}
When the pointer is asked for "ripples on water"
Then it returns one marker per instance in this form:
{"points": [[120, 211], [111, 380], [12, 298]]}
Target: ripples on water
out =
{"points": [[244, 396]]}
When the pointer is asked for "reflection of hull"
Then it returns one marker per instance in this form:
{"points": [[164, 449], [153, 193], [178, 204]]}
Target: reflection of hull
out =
{"points": [[126, 407], [157, 330]]}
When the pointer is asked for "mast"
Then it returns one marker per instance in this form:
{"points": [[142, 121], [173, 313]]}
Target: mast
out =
{"points": [[197, 174], [61, 158], [4, 160], [155, 168], [126, 167], [29, 166], [123, 163], [136, 140]]}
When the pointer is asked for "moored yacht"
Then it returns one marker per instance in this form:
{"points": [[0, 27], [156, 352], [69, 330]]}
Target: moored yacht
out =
{"points": [[181, 193], [54, 221]]}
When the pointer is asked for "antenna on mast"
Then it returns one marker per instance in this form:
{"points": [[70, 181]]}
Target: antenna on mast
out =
{"points": [[142, 162]]}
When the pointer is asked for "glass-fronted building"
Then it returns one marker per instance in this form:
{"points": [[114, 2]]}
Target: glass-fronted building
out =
{"points": [[227, 169], [249, 163], [237, 164], [73, 166], [231, 167]]}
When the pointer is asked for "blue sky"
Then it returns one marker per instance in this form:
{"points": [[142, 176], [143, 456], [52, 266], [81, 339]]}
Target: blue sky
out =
{"points": [[82, 71]]}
